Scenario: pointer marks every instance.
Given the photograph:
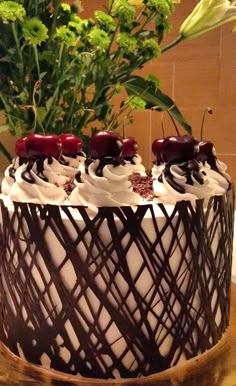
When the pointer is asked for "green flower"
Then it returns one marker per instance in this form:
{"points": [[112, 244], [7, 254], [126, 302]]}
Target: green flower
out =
{"points": [[66, 7], [75, 18], [136, 102], [105, 21], [99, 39], [151, 49], [127, 42], [78, 25], [67, 36], [11, 11], [122, 9], [154, 80], [35, 31], [164, 7], [162, 24]]}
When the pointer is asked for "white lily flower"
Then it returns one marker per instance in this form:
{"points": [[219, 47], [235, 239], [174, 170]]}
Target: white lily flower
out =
{"points": [[207, 15]]}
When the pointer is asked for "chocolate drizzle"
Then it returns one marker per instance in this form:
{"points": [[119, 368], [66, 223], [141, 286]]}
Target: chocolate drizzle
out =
{"points": [[121, 316], [191, 170], [27, 175], [131, 159], [12, 169], [115, 161], [66, 163]]}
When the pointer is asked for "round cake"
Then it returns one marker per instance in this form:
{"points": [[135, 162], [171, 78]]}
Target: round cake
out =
{"points": [[109, 273]]}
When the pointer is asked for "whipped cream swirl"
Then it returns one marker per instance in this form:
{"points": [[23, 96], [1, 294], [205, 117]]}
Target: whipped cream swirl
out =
{"points": [[134, 165], [9, 175], [50, 170], [36, 190], [112, 188], [157, 169], [218, 173], [187, 181], [71, 164]]}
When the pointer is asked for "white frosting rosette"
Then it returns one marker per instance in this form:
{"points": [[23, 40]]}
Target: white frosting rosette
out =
{"points": [[135, 165], [8, 180], [38, 191], [191, 192], [112, 189]]}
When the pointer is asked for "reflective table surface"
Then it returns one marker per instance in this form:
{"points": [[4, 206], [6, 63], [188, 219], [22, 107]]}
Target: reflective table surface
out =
{"points": [[215, 368]]}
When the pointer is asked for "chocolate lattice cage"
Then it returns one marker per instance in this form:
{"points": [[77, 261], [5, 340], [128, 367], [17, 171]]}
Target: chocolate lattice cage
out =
{"points": [[123, 293]]}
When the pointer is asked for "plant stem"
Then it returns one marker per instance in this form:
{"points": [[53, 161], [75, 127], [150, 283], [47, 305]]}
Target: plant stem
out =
{"points": [[141, 13], [70, 113], [110, 7], [6, 109], [60, 55], [14, 31], [37, 60], [148, 19], [174, 43], [4, 151]]}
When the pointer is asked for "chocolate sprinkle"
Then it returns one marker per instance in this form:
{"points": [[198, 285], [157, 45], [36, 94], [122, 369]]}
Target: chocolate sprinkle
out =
{"points": [[183, 304], [142, 185]]}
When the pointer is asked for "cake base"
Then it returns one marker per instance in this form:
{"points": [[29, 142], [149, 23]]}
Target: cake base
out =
{"points": [[151, 293], [216, 367]]}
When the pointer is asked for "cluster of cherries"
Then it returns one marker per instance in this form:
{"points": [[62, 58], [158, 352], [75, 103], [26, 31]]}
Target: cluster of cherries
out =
{"points": [[102, 144], [38, 145], [179, 149], [173, 149], [186, 152], [110, 144]]}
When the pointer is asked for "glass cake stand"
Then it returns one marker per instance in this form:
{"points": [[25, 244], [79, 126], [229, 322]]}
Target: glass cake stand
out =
{"points": [[214, 368]]}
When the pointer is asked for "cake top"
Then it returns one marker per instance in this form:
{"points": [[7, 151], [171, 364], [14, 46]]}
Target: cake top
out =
{"points": [[54, 169]]}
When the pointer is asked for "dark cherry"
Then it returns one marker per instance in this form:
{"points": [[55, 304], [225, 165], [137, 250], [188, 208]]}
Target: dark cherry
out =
{"points": [[20, 147], [178, 148], [40, 145], [156, 149], [206, 151], [71, 144], [130, 147], [105, 144]]}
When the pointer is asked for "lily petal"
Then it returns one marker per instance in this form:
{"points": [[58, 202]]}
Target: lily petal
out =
{"points": [[207, 15]]}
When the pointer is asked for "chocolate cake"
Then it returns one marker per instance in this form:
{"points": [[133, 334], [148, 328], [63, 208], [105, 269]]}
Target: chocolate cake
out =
{"points": [[120, 291]]}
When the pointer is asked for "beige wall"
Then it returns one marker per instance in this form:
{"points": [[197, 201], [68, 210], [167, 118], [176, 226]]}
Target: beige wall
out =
{"points": [[196, 74]]}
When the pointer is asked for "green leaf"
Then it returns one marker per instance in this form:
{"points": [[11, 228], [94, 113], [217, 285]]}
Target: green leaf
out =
{"points": [[4, 151], [41, 113], [155, 99], [49, 103]]}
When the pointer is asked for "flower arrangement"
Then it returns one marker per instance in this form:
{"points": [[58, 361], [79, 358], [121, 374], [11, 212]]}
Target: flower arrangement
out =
{"points": [[60, 72]]}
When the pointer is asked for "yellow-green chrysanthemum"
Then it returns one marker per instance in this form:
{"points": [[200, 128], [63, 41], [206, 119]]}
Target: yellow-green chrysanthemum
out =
{"points": [[99, 39], [35, 31], [79, 26], [65, 7], [105, 21], [151, 49], [67, 36], [127, 42], [11, 11], [165, 7]]}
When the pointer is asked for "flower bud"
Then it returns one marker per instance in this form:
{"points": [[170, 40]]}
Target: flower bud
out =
{"points": [[207, 15]]}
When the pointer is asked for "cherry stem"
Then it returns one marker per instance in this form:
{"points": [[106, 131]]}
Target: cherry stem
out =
{"points": [[174, 123], [162, 126], [207, 110]]}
